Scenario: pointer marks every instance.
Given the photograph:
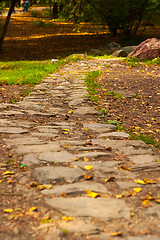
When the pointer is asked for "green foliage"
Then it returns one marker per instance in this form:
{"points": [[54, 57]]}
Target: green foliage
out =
{"points": [[115, 94], [133, 62], [92, 85], [114, 122], [147, 139], [26, 72]]}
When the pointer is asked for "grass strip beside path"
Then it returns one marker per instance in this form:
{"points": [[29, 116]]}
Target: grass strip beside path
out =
{"points": [[26, 72]]}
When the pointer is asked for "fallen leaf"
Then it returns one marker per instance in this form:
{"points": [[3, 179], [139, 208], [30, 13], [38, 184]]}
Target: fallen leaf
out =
{"points": [[33, 209], [86, 159], [44, 186], [8, 210], [68, 218], [110, 179], [69, 112], [122, 167], [139, 181], [1, 180], [157, 200], [114, 234], [34, 184], [149, 181], [8, 173], [92, 194], [88, 167], [119, 196], [63, 194], [137, 189], [66, 130], [87, 177]]}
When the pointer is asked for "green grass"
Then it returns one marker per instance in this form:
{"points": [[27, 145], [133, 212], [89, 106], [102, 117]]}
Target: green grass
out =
{"points": [[92, 85], [26, 72], [147, 139], [133, 62], [115, 94]]}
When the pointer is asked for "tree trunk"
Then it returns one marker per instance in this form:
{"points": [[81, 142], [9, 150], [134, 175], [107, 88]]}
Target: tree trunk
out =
{"points": [[13, 3]]}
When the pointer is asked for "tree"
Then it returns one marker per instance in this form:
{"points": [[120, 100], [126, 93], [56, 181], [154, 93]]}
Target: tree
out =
{"points": [[13, 3]]}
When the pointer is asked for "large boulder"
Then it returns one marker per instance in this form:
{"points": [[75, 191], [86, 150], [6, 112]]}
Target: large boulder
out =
{"points": [[149, 49]]}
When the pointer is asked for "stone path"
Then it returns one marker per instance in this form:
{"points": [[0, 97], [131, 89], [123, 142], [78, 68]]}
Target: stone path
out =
{"points": [[71, 140]]}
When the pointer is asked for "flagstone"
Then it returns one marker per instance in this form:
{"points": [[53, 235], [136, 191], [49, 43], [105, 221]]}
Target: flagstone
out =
{"points": [[101, 208]]}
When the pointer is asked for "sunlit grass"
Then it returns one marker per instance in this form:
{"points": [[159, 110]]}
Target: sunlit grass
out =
{"points": [[26, 72]]}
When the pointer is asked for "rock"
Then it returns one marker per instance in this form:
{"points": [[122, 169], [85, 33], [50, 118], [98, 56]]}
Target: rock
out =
{"points": [[12, 130], [62, 156], [143, 159], [115, 135], [30, 159], [86, 111], [101, 208], [119, 53], [79, 226], [149, 49], [38, 148], [128, 49], [155, 210], [94, 154], [76, 188], [95, 52], [100, 128], [49, 174], [111, 47], [23, 141]]}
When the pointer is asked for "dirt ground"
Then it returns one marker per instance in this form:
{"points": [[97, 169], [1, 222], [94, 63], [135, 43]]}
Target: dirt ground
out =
{"points": [[139, 110]]}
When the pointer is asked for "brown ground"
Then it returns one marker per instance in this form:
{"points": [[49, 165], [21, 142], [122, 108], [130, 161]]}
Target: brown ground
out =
{"points": [[139, 110]]}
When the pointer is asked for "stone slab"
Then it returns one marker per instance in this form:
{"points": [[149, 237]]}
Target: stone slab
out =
{"points": [[100, 128], [76, 188], [86, 110], [30, 159], [94, 154], [62, 156], [23, 141], [13, 130], [101, 208], [11, 113], [50, 174], [115, 135], [38, 148], [47, 129], [143, 159], [79, 226], [106, 167]]}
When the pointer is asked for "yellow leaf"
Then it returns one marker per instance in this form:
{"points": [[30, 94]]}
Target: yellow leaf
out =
{"points": [[139, 181], [149, 181], [66, 130], [44, 186], [122, 167], [86, 159], [88, 167], [109, 179], [87, 177], [68, 218], [8, 173], [115, 234], [1, 180], [69, 112], [157, 200], [32, 209], [92, 194], [144, 202], [119, 196], [8, 210], [137, 189]]}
